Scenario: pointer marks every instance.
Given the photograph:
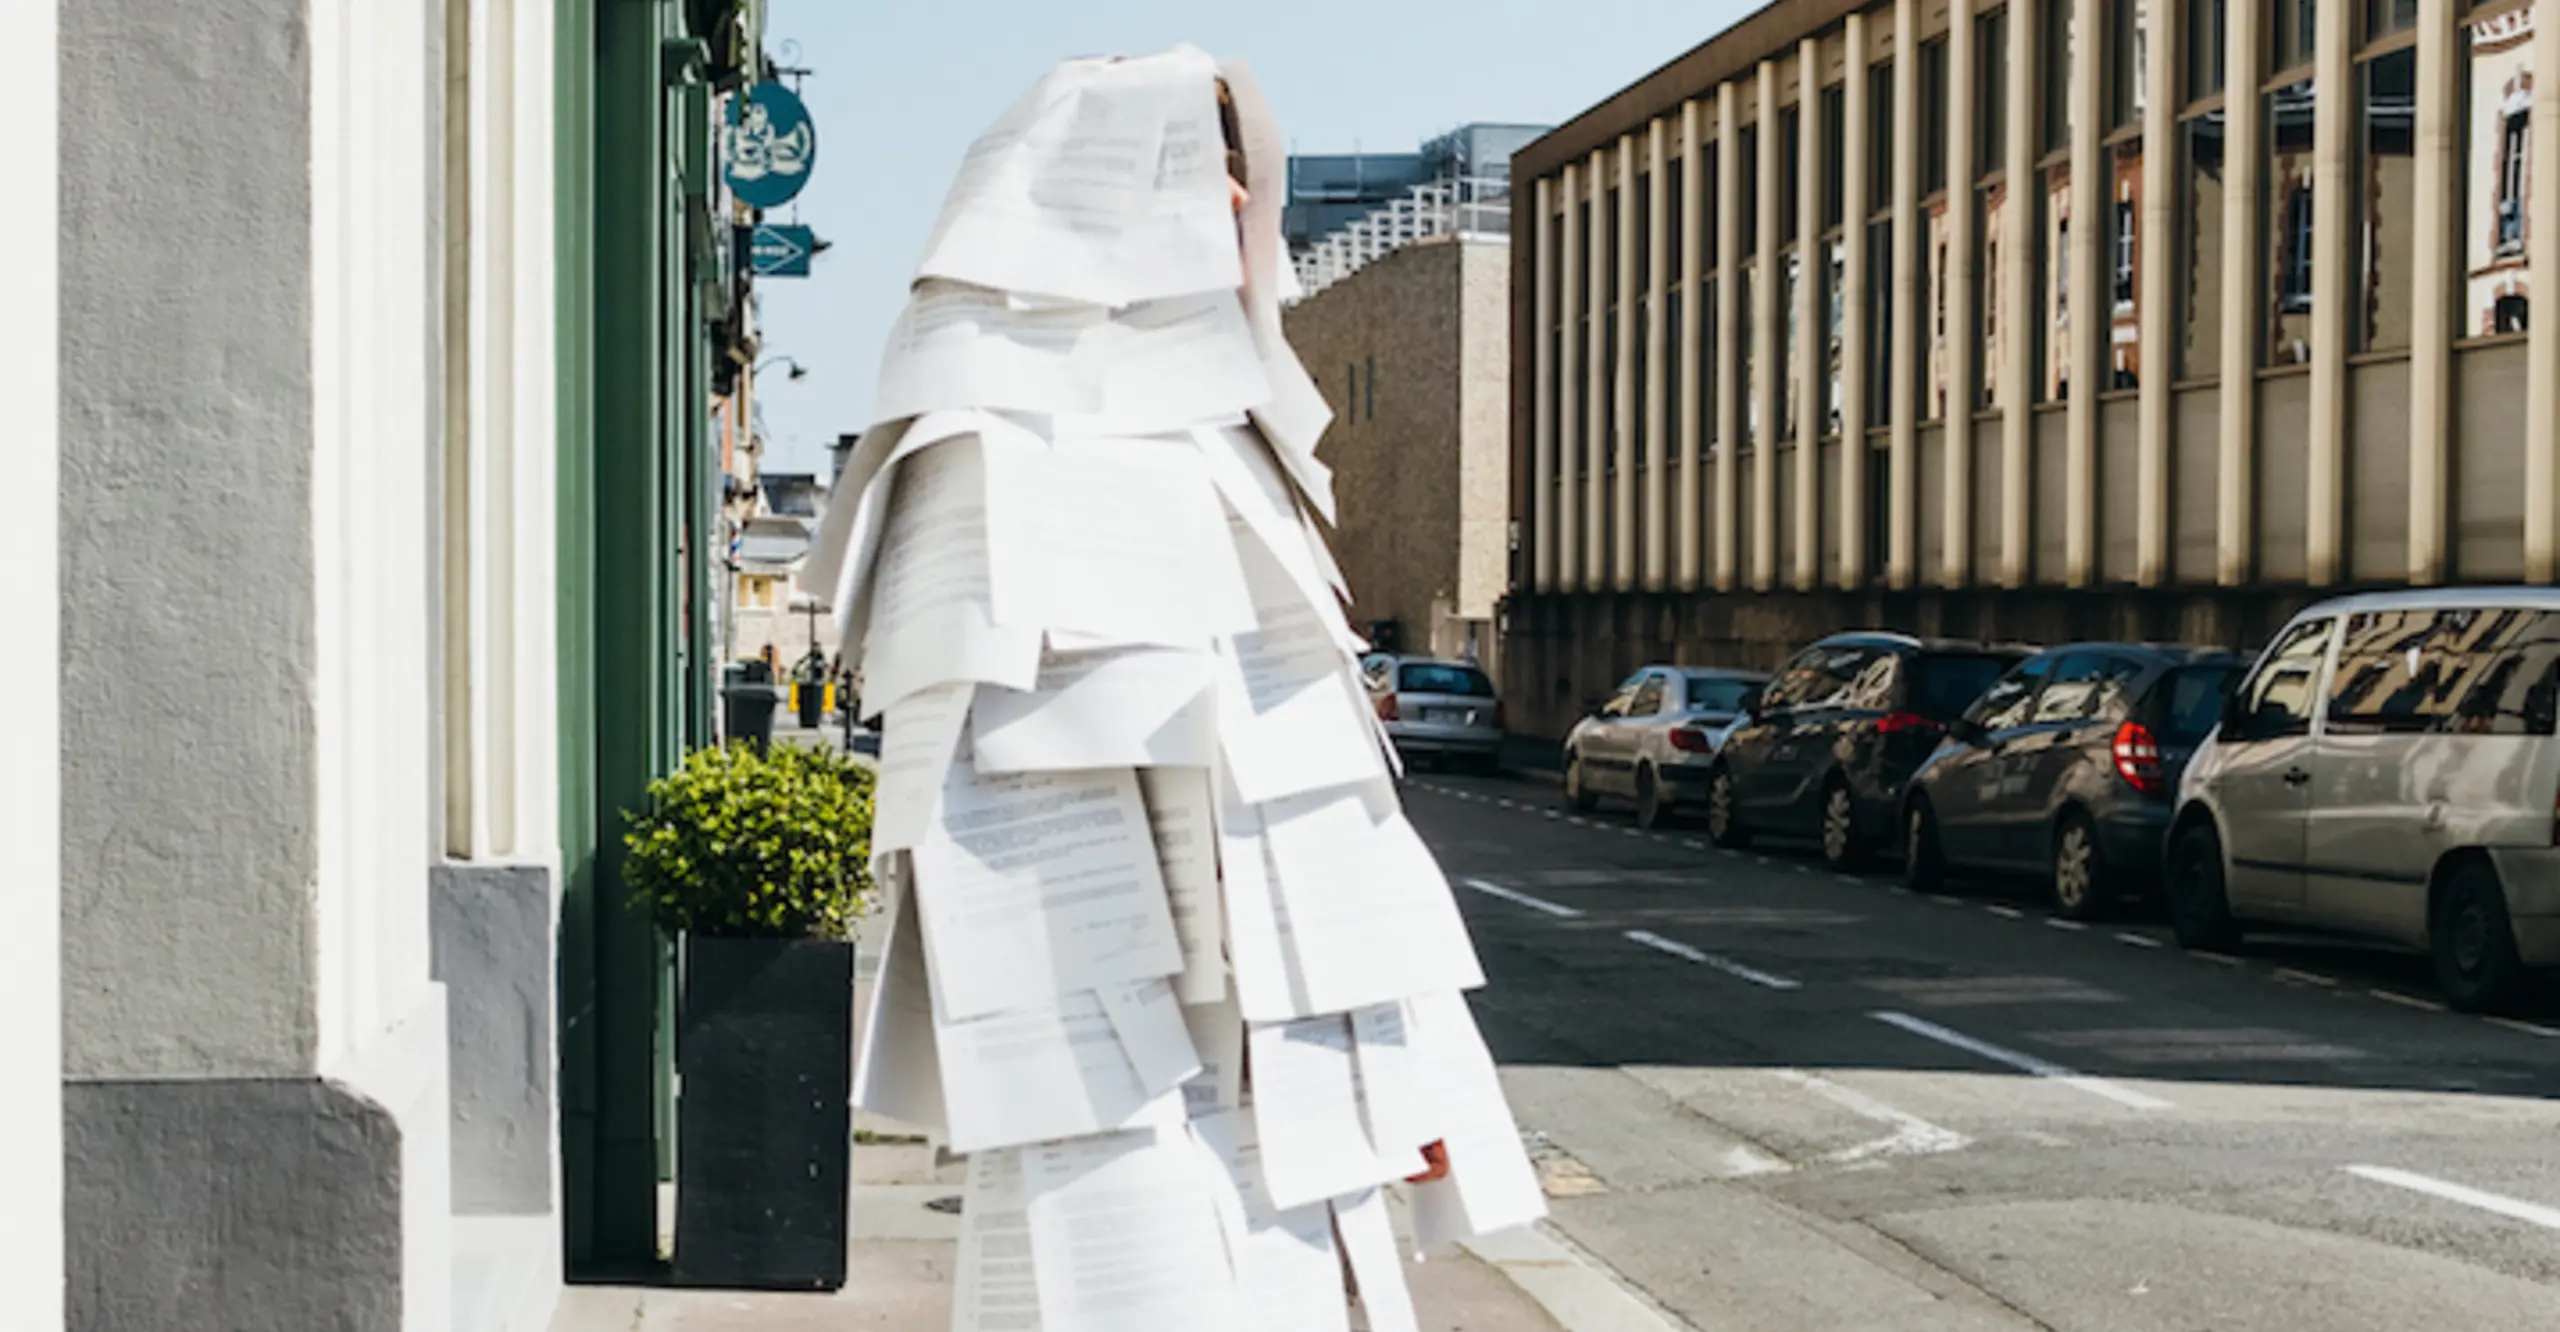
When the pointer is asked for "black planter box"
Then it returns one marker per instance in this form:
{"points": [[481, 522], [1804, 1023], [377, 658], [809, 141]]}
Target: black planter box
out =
{"points": [[764, 1122]]}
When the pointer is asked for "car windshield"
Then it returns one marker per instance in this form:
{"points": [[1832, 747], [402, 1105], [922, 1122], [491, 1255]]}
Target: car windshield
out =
{"points": [[1436, 679], [1942, 687], [2192, 698], [1718, 693]]}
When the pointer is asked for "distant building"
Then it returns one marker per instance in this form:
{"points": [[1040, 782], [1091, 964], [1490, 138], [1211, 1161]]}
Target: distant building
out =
{"points": [[1329, 192]]}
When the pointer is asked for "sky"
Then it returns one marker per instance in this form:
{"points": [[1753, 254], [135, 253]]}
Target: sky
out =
{"points": [[900, 88]]}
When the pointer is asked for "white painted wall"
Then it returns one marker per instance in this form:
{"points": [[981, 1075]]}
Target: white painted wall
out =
{"points": [[30, 691]]}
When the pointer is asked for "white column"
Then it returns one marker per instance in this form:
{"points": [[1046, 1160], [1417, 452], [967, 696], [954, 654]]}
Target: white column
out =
{"points": [[1596, 384], [1813, 363], [1622, 383], [2332, 293], [1567, 497], [1955, 501], [2542, 352], [1768, 339], [2019, 285], [1542, 464], [2089, 176], [2157, 261], [2434, 249], [1902, 560], [1693, 264], [1656, 429], [1855, 283], [2244, 305], [1728, 329]]}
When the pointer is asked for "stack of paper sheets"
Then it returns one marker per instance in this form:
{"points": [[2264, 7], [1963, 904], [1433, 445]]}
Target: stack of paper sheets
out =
{"points": [[1165, 960]]}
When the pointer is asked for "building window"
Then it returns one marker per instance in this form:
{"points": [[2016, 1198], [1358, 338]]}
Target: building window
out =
{"points": [[1748, 209], [1933, 116], [1609, 349], [2389, 171], [2385, 17], [1747, 329], [1989, 326], [1790, 172], [1834, 277], [2056, 240], [1708, 429], [1933, 315], [1991, 89], [2496, 156], [2289, 217], [2206, 29], [1835, 104], [1369, 389], [2200, 304], [1675, 215], [1710, 198], [2296, 33], [2124, 247], [2056, 83], [1793, 267], [2128, 63], [1880, 135], [1881, 343]]}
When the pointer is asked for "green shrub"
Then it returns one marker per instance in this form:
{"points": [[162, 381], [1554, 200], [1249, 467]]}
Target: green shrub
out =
{"points": [[767, 845]]}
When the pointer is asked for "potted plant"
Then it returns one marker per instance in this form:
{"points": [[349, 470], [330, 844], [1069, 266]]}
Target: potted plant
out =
{"points": [[759, 861]]}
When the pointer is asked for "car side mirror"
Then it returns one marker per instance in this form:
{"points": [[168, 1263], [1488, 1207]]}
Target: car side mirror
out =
{"points": [[1966, 730], [1751, 703]]}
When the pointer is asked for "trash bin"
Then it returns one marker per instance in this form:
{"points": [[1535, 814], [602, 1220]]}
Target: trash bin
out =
{"points": [[811, 696], [747, 706]]}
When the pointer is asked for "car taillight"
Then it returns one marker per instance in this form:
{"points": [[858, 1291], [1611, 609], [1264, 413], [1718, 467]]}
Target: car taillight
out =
{"points": [[1387, 709], [1895, 723], [2137, 756], [1691, 740]]}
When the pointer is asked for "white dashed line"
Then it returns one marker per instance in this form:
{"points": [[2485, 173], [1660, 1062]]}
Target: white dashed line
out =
{"points": [[1724, 964], [2137, 940], [1911, 1136], [1761, 860], [1855, 881], [2006, 912], [1944, 900], [2516, 1208], [1899, 891], [2024, 1063], [1554, 814], [2407, 1000], [2218, 959], [1557, 909], [2528, 1028], [2302, 977], [1633, 832], [1579, 821], [1695, 845], [2059, 923]]}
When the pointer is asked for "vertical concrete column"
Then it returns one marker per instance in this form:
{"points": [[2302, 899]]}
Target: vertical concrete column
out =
{"points": [[1903, 531], [1693, 264], [1571, 302], [2087, 310], [1622, 381], [2433, 242], [2157, 262], [2244, 299], [2332, 293], [1955, 503], [2542, 351], [1768, 340], [1854, 287], [1595, 383], [2018, 287], [1542, 458], [1810, 330], [1657, 470], [1728, 328]]}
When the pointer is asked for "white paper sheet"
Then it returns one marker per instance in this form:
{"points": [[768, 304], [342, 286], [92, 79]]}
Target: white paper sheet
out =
{"points": [[1397, 1104], [1105, 183], [962, 346], [1035, 885], [1163, 365], [932, 617], [996, 1289], [1370, 919], [900, 1075], [1182, 813], [1125, 1235], [1296, 414], [1287, 1267], [1066, 1069], [1290, 709], [845, 549], [1304, 1088], [1263, 508], [1217, 1034], [919, 741], [1491, 1185], [1258, 947], [1369, 1241], [1122, 538], [1114, 708]]}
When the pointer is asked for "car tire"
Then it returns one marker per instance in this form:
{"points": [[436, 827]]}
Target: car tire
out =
{"points": [[1652, 811], [2083, 886], [1724, 817], [1843, 849], [2199, 904], [1578, 795], [2473, 942], [1924, 856]]}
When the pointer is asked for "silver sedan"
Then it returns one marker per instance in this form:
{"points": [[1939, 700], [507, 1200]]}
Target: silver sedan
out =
{"points": [[1653, 741], [1437, 710]]}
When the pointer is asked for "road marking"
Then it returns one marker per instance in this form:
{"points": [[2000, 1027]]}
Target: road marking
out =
{"points": [[2059, 923], [1943, 900], [1579, 821], [1556, 909], [1576, 1291], [2528, 1028], [2137, 940], [1899, 891], [2024, 1063], [1761, 860], [1694, 845], [2302, 977], [2218, 959], [2532, 1213], [1724, 964], [1555, 814], [2407, 1000], [2006, 912], [1911, 1136], [1850, 879]]}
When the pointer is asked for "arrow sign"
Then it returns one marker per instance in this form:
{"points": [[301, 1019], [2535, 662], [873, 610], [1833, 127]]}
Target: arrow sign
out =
{"points": [[779, 251]]}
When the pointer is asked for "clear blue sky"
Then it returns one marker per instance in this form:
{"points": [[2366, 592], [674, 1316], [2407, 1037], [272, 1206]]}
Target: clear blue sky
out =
{"points": [[902, 87]]}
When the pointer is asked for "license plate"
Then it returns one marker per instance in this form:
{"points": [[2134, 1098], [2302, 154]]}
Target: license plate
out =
{"points": [[1449, 716]]}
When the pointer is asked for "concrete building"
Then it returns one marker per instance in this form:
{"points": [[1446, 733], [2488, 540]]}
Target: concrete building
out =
{"points": [[1797, 347], [1329, 192]]}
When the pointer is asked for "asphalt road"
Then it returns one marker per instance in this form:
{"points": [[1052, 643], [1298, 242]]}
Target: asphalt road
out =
{"points": [[1771, 1097]]}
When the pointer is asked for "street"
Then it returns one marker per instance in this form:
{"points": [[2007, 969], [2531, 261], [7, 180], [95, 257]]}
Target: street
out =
{"points": [[1772, 1097]]}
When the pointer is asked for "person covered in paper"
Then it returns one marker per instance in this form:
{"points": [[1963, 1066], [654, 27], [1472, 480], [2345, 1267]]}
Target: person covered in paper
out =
{"points": [[1164, 958]]}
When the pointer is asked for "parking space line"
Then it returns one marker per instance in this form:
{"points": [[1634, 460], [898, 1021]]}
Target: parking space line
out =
{"points": [[1694, 845], [1911, 1136], [2516, 1208], [2060, 923], [2407, 1000], [1851, 879], [2218, 959], [2528, 1028], [1556, 909], [2023, 1062], [2005, 912], [2302, 977], [2137, 940], [1724, 964]]}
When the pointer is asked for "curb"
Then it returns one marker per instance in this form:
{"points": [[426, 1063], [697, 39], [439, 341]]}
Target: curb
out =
{"points": [[1575, 1289]]}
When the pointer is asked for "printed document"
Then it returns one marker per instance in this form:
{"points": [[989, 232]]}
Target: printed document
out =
{"points": [[1305, 1094], [959, 346], [1125, 1235], [996, 1290], [1077, 1066], [899, 1074], [919, 741], [1182, 813], [1290, 710], [932, 606], [1370, 918], [1287, 1268], [1491, 1185], [1369, 1243], [1122, 538], [1133, 707]]}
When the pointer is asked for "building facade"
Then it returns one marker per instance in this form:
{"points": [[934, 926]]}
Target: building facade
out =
{"points": [[1331, 191], [1796, 345]]}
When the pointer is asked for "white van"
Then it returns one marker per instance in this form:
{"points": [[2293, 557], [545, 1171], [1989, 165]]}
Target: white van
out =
{"points": [[2389, 768]]}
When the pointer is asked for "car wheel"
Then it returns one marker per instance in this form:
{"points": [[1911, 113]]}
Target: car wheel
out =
{"points": [[1724, 820], [1924, 859], [1651, 810], [2473, 941], [2199, 905], [1842, 848], [2082, 889], [1578, 796]]}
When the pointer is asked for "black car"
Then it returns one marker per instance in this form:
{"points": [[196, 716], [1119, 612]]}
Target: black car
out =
{"points": [[1838, 732], [2067, 768]]}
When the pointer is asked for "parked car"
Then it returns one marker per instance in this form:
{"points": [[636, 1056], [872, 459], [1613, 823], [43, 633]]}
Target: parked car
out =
{"points": [[1838, 733], [2066, 768], [1653, 741], [2389, 768], [1437, 710]]}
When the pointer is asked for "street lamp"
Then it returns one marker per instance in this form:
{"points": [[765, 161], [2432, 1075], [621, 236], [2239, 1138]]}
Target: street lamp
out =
{"points": [[798, 371]]}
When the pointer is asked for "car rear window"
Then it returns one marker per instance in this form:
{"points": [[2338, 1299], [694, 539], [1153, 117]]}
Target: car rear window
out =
{"points": [[2191, 701], [1718, 693], [1427, 679], [1943, 686]]}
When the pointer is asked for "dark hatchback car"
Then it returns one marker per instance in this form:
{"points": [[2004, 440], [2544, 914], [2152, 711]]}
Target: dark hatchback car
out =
{"points": [[1837, 734], [2067, 768]]}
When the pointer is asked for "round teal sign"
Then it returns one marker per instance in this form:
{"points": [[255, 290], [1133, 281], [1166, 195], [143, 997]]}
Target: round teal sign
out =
{"points": [[772, 143]]}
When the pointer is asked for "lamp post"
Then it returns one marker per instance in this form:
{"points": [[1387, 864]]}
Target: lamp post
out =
{"points": [[798, 371]]}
